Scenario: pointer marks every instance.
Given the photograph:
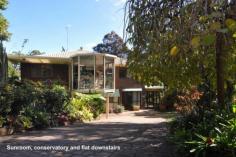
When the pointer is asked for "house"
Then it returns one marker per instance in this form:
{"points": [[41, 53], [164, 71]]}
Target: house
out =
{"points": [[86, 72]]}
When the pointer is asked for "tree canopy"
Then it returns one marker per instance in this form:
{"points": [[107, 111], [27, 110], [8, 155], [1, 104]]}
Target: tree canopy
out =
{"points": [[35, 52], [4, 34], [112, 44], [182, 42]]}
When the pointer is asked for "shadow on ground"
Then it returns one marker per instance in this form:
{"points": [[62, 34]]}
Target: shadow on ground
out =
{"points": [[155, 114], [134, 140]]}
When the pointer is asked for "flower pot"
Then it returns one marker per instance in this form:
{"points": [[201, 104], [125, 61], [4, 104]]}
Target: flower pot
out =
{"points": [[136, 107], [6, 131]]}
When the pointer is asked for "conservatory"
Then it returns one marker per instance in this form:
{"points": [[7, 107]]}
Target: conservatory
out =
{"points": [[93, 72]]}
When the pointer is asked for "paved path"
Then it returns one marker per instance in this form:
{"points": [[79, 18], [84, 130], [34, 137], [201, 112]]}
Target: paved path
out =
{"points": [[130, 134]]}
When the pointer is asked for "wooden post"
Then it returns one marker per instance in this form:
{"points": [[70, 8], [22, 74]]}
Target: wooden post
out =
{"points": [[107, 106]]}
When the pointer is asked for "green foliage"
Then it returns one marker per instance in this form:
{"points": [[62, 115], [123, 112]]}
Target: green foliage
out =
{"points": [[3, 4], [6, 95], [4, 35], [77, 110], [169, 99], [118, 108], [112, 44], [35, 52], [55, 98], [41, 120], [174, 41], [29, 101], [211, 134], [24, 122], [2, 121], [85, 107], [12, 71]]}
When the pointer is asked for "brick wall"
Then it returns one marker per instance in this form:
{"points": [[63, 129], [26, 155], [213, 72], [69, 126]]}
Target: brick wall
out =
{"points": [[122, 83]]}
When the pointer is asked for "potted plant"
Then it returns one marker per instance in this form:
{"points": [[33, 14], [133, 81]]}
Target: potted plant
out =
{"points": [[136, 107], [4, 130]]}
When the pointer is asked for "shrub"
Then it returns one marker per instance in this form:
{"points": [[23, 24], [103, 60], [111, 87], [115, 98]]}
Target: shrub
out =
{"points": [[41, 120], [214, 134], [96, 103], [23, 122], [85, 106], [168, 100], [26, 99], [118, 109], [55, 98], [6, 99], [76, 109], [2, 121]]}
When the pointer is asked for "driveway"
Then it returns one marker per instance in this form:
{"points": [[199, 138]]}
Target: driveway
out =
{"points": [[130, 134]]}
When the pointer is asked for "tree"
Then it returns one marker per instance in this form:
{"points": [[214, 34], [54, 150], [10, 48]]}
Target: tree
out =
{"points": [[35, 52], [112, 44], [4, 35], [183, 42]]}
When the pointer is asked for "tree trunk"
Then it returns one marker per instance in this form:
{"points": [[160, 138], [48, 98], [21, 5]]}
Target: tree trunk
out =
{"points": [[220, 70]]}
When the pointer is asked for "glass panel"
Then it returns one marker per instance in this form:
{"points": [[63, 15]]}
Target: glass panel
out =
{"points": [[109, 73], [99, 76], [75, 76], [86, 72], [122, 72], [136, 98]]}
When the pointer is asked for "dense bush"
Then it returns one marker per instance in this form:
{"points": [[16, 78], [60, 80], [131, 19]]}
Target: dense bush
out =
{"points": [[55, 98], [78, 111], [26, 104], [202, 131], [85, 107], [31, 104], [168, 100]]}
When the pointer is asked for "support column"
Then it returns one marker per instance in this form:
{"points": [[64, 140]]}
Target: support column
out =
{"points": [[107, 106], [104, 68], [78, 71]]}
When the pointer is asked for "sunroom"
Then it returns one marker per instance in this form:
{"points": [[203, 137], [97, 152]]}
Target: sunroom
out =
{"points": [[83, 71]]}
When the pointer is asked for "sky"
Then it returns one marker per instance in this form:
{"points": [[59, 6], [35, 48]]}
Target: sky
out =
{"points": [[44, 22]]}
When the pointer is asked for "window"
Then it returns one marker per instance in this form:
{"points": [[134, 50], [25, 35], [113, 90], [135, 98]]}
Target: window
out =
{"points": [[86, 72], [99, 76], [41, 71], [109, 65], [123, 72], [46, 71], [136, 97]]}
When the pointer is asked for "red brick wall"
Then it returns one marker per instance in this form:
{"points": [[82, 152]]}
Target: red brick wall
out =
{"points": [[59, 72], [122, 83]]}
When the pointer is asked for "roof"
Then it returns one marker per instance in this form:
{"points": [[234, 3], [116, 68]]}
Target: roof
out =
{"points": [[38, 59], [59, 58], [74, 53]]}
